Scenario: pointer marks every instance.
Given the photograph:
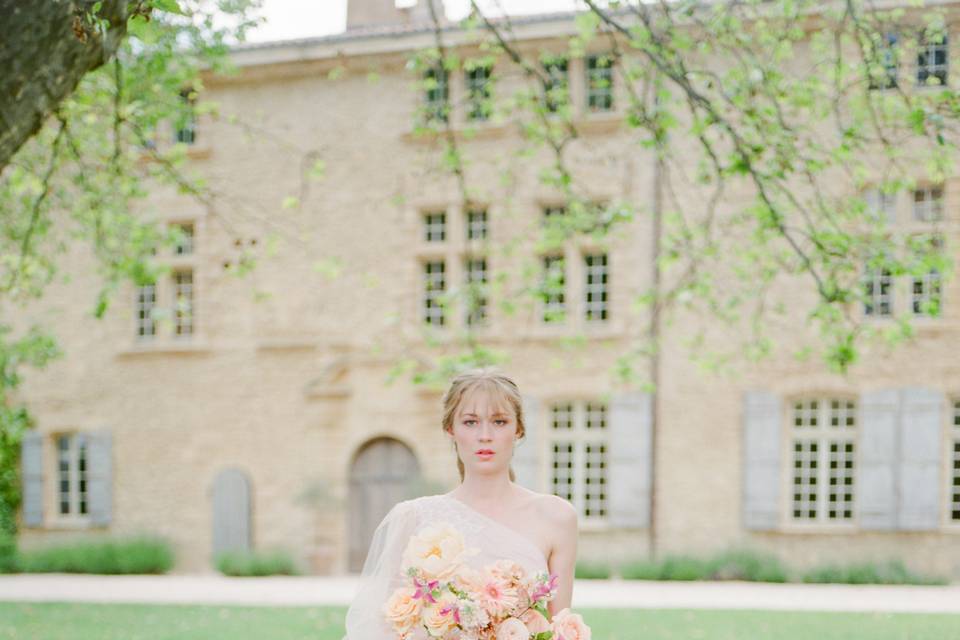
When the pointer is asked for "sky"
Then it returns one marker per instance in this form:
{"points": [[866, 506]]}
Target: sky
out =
{"points": [[291, 19]]}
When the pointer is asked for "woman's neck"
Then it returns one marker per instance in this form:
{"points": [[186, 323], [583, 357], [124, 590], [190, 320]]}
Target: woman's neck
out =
{"points": [[486, 490]]}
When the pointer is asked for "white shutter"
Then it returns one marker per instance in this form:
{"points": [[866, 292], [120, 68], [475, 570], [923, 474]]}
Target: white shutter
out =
{"points": [[31, 461], [99, 477], [919, 473], [631, 460], [761, 460], [876, 469], [526, 455]]}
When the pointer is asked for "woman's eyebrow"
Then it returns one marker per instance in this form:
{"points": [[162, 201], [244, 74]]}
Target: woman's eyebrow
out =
{"points": [[498, 413]]}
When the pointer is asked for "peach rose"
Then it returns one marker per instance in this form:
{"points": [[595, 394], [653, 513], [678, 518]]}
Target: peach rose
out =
{"points": [[569, 626], [513, 629], [438, 551], [535, 621], [440, 617], [402, 609]]}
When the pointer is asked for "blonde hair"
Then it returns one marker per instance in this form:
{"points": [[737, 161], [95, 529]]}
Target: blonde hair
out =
{"points": [[486, 379]]}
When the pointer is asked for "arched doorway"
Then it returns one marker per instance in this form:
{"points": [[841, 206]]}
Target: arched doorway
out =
{"points": [[231, 512], [383, 473]]}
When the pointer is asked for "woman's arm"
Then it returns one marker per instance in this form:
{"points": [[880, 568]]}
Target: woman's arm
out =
{"points": [[563, 557]]}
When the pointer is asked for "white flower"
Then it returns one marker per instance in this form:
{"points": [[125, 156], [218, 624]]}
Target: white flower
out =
{"points": [[437, 551], [513, 629]]}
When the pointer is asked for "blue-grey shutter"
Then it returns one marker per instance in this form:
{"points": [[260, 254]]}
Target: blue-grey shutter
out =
{"points": [[31, 461], [761, 460], [526, 456], [630, 456], [99, 477], [877, 469], [920, 459], [231, 512]]}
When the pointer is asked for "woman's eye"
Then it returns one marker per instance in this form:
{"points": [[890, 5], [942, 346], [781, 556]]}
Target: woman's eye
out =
{"points": [[469, 421], [502, 421]]}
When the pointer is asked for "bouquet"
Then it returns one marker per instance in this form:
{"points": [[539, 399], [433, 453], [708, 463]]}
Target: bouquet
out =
{"points": [[441, 597]]}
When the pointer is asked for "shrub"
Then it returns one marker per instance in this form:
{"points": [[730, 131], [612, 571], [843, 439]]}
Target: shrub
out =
{"points": [[892, 572], [676, 567], [256, 563], [8, 552], [743, 564], [139, 554], [592, 570], [640, 570]]}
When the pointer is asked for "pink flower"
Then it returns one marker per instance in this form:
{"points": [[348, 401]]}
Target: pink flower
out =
{"points": [[497, 596], [513, 629], [569, 626], [535, 621]]}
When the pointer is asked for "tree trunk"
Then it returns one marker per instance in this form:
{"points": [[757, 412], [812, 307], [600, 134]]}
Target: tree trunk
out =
{"points": [[46, 48]]}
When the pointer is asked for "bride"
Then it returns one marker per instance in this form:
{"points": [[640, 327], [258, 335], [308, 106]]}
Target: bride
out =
{"points": [[483, 418]]}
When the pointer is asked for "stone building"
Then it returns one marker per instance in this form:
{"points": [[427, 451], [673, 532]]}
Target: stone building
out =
{"points": [[266, 410]]}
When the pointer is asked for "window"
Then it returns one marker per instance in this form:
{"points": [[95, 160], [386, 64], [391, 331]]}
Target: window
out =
{"points": [[881, 206], [932, 58], [878, 293], [186, 127], [556, 87], [435, 226], [434, 285], [823, 435], [887, 60], [599, 83], [553, 288], [476, 270], [184, 244], [579, 464], [955, 470], [596, 290], [477, 224], [478, 92], [928, 204], [71, 475], [925, 294], [183, 301], [437, 94], [145, 303]]}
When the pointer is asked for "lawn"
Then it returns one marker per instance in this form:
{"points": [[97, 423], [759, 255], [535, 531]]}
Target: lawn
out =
{"points": [[141, 622]]}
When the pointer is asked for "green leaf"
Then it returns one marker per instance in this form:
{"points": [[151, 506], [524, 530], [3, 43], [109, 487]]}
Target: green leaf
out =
{"points": [[170, 6]]}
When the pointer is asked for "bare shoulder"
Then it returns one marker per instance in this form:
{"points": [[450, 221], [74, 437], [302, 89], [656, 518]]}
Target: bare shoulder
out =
{"points": [[554, 509]]}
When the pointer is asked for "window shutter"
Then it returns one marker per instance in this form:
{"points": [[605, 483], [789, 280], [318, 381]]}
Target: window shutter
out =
{"points": [[31, 461], [631, 459], [876, 471], [919, 472], [761, 459], [526, 456], [99, 477]]}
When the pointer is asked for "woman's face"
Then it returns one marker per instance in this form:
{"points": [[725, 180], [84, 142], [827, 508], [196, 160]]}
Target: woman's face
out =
{"points": [[484, 432]]}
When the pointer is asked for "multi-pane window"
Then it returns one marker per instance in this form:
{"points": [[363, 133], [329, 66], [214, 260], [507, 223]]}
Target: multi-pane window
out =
{"points": [[71, 475], [437, 97], [184, 243], [881, 206], [435, 226], [955, 464], [599, 83], [478, 92], [146, 300], [186, 128], [822, 473], [878, 293], [553, 289], [477, 224], [928, 204], [434, 285], [579, 450], [887, 61], [476, 272], [932, 58], [925, 294], [556, 87], [596, 291], [183, 302]]}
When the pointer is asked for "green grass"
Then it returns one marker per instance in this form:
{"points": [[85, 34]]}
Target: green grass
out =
{"points": [[141, 622]]}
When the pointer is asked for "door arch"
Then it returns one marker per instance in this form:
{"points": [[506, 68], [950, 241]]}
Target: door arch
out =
{"points": [[381, 475], [231, 512]]}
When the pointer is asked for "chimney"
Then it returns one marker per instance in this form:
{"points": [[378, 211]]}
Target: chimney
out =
{"points": [[384, 13]]}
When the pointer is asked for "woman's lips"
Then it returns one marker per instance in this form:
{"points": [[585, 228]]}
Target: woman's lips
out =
{"points": [[484, 453]]}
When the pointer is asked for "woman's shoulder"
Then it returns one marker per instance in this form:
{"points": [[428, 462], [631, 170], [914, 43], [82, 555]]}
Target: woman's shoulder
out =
{"points": [[551, 508]]}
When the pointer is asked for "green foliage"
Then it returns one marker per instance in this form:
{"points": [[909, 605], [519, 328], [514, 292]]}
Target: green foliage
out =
{"points": [[891, 572], [592, 570], [130, 555], [256, 563]]}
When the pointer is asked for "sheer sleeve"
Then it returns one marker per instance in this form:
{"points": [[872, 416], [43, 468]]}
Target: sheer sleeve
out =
{"points": [[381, 575]]}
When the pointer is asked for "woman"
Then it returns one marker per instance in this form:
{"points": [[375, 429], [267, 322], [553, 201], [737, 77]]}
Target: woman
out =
{"points": [[483, 417]]}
